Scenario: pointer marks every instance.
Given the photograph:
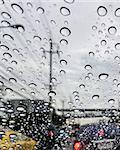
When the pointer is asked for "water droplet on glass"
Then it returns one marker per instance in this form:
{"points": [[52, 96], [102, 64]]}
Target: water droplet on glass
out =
{"points": [[94, 97], [7, 55], [91, 54], [65, 31], [64, 11], [64, 42], [20, 108], [17, 8], [4, 47], [63, 62], [82, 86], [8, 37], [52, 93], [5, 23], [88, 67], [103, 76], [1, 83], [112, 30], [115, 80], [6, 15], [32, 85], [13, 80], [53, 22], [118, 85], [37, 38], [20, 28], [4, 60], [94, 28], [40, 10], [62, 72], [117, 46], [9, 69], [117, 12], [1, 2], [8, 90], [69, 1], [29, 5], [111, 101], [117, 58], [87, 78], [101, 11], [103, 42]]}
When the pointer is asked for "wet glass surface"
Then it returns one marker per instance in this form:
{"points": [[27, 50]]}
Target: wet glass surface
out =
{"points": [[60, 74]]}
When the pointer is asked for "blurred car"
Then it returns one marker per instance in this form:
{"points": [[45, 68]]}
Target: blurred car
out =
{"points": [[11, 140]]}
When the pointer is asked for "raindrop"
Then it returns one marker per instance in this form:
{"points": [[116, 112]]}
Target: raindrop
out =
{"points": [[66, 22], [76, 93], [8, 37], [87, 78], [4, 60], [37, 38], [20, 108], [115, 80], [7, 55], [88, 67], [13, 80], [32, 93], [65, 31], [12, 121], [52, 93], [64, 42], [117, 46], [1, 1], [112, 30], [103, 25], [1, 83], [90, 74], [53, 22], [94, 28], [118, 85], [32, 85], [19, 27], [77, 100], [103, 76], [82, 86], [4, 47], [54, 80], [8, 90], [2, 109], [62, 72], [16, 50], [10, 111], [103, 42], [29, 5], [5, 23], [102, 11], [94, 97], [117, 58], [14, 62], [63, 62], [6, 15], [117, 12], [17, 8], [76, 96], [64, 11], [40, 10], [69, 1], [91, 54], [111, 101]]}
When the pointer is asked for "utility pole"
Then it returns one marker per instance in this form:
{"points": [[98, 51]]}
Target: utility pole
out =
{"points": [[50, 72]]}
